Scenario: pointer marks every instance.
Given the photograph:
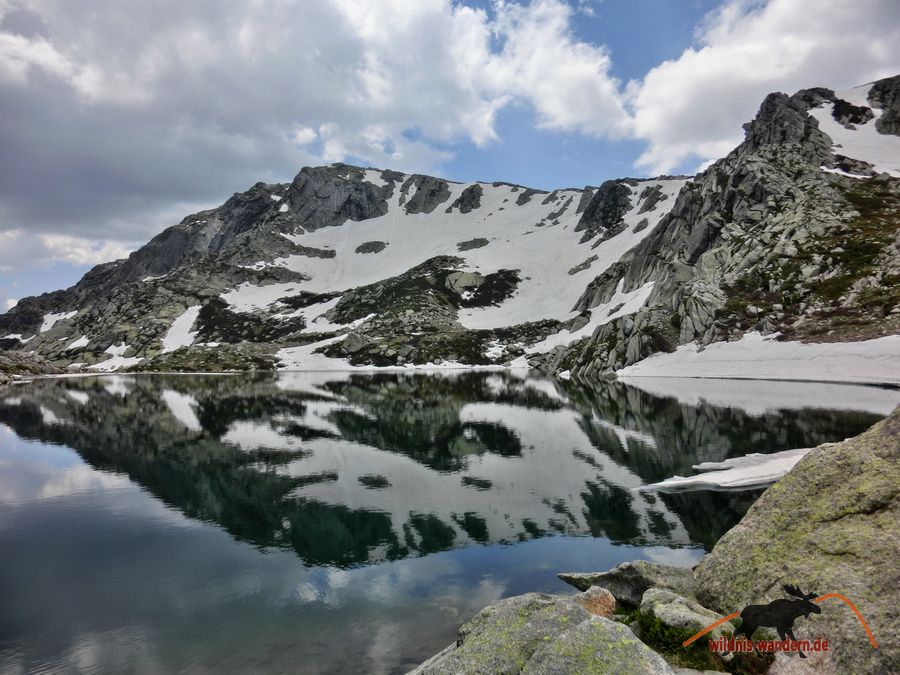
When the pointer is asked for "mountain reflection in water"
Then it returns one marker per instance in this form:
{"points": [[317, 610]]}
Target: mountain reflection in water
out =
{"points": [[352, 503]]}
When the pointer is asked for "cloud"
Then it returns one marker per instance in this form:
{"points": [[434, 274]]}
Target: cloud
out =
{"points": [[692, 107], [118, 123], [21, 249]]}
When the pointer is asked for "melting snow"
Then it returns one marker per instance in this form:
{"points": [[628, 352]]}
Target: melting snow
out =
{"points": [[763, 358], [51, 319], [116, 360], [740, 473], [79, 343], [880, 150], [543, 257], [18, 336], [179, 334]]}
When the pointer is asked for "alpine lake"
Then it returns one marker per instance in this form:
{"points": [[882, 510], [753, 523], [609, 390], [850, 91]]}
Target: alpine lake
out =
{"points": [[348, 522]]}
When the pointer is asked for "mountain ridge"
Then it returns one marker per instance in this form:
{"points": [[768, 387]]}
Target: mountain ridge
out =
{"points": [[793, 235]]}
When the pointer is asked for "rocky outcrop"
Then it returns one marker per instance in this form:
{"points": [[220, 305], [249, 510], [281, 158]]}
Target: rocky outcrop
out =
{"points": [[426, 193], [469, 200], [630, 580], [604, 212], [539, 633], [18, 363], [327, 196], [762, 240], [885, 94], [831, 525]]}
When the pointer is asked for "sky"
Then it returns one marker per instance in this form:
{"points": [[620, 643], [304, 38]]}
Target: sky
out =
{"points": [[117, 119]]}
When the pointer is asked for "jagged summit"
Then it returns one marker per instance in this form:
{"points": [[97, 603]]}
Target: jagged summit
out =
{"points": [[794, 232]]}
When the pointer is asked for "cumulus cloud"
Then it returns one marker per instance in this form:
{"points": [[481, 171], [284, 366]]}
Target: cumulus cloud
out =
{"points": [[117, 123], [114, 121], [18, 245], [691, 108]]}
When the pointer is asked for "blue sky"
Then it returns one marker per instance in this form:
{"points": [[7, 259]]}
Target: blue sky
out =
{"points": [[116, 124]]}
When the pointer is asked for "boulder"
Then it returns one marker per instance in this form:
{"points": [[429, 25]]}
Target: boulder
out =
{"points": [[683, 614], [597, 645], [628, 581], [831, 525], [598, 601], [460, 282], [540, 633]]}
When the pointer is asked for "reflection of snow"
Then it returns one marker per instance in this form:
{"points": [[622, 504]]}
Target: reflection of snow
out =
{"points": [[182, 407], [755, 397], [79, 396], [50, 417], [543, 485], [118, 385]]}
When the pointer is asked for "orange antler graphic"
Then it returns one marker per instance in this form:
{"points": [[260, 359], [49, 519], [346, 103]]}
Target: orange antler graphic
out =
{"points": [[855, 611], [709, 628]]}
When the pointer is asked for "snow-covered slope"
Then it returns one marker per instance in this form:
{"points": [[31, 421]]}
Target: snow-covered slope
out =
{"points": [[793, 233]]}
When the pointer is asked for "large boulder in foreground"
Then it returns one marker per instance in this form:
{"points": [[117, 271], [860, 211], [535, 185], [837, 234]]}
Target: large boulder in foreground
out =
{"points": [[831, 525], [540, 633], [628, 581]]}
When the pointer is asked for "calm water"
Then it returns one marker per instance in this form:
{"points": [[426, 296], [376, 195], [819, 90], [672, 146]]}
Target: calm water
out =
{"points": [[336, 522]]}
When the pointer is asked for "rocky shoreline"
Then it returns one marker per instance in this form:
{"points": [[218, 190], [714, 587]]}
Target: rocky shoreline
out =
{"points": [[829, 526]]}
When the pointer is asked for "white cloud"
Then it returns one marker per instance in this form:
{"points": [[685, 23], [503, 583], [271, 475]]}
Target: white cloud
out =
{"points": [[10, 303], [566, 80], [191, 101], [123, 121], [303, 135], [20, 249], [80, 251], [693, 107]]}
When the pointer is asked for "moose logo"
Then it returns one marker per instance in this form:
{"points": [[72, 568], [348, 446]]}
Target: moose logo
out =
{"points": [[779, 614]]}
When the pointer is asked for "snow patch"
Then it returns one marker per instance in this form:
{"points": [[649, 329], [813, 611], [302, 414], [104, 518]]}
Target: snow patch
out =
{"points": [[179, 334], [740, 473], [117, 359], [79, 343], [52, 319], [18, 336], [882, 151], [756, 357]]}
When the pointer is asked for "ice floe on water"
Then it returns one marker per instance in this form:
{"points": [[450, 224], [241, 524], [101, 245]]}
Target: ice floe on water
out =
{"points": [[739, 473]]}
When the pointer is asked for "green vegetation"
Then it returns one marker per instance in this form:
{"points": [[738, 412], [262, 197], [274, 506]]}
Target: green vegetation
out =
{"points": [[668, 642]]}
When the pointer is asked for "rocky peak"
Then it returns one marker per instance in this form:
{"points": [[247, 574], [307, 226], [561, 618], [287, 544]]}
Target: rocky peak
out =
{"points": [[327, 196]]}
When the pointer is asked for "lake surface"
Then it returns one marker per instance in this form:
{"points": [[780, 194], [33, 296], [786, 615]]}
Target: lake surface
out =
{"points": [[344, 522]]}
